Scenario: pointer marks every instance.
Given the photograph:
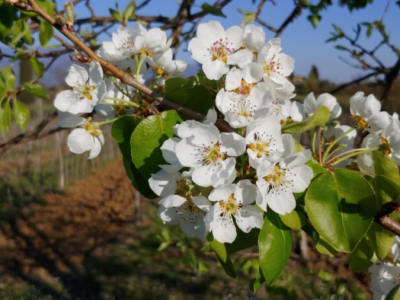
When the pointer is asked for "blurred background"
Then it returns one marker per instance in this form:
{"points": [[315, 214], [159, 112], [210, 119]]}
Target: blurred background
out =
{"points": [[71, 228]]}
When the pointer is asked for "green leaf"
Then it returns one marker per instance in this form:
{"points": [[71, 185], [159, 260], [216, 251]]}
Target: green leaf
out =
{"points": [[21, 113], [341, 206], [189, 93], [5, 116], [258, 281], [45, 32], [381, 240], [296, 219], [314, 19], [243, 240], [223, 256], [117, 14], [47, 6], [147, 139], [121, 131], [37, 65], [362, 257], [386, 189], [275, 246], [394, 293], [8, 77], [384, 166], [18, 33], [324, 248], [37, 90], [130, 11], [7, 17], [212, 10], [316, 167], [321, 116]]}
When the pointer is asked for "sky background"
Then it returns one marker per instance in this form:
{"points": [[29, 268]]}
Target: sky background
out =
{"points": [[299, 40]]}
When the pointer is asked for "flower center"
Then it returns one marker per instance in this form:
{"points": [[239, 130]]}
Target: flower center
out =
{"points": [[126, 44], [262, 146], [385, 146], [360, 122], [244, 88], [277, 178], [146, 51], [86, 91], [91, 129], [289, 120], [273, 66], [230, 206], [213, 155], [221, 50]]}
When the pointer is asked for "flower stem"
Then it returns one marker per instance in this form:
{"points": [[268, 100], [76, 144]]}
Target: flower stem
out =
{"points": [[313, 142], [319, 145], [334, 143], [359, 151], [130, 103], [106, 122]]}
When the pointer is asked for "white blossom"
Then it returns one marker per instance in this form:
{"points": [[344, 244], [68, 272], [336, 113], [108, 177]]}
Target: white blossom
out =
{"points": [[210, 153], [179, 204], [213, 46], [384, 277], [366, 113], [233, 201], [311, 105], [278, 181], [89, 138], [88, 89]]}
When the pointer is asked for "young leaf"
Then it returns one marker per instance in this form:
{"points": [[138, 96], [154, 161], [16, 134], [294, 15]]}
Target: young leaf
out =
{"points": [[341, 206], [121, 131], [296, 219], [362, 257], [275, 246], [7, 17], [8, 77], [5, 117], [394, 293], [37, 90], [223, 256], [147, 139], [37, 65], [384, 166], [321, 116], [381, 240], [21, 113], [212, 10], [45, 32], [190, 94], [130, 11]]}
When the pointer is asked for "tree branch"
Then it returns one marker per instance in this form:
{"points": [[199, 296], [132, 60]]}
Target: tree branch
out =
{"points": [[358, 80]]}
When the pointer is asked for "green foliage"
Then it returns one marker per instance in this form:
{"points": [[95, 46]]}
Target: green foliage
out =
{"points": [[275, 246], [321, 116], [249, 16], [362, 257], [121, 131], [116, 14], [37, 65], [147, 139], [37, 90], [223, 255], [212, 10], [296, 219], [7, 18], [394, 293], [194, 93], [130, 12], [45, 32], [341, 206], [5, 116], [384, 166], [381, 240], [355, 4], [20, 113]]}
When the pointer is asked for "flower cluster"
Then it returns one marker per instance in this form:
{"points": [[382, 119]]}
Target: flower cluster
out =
{"points": [[146, 55]]}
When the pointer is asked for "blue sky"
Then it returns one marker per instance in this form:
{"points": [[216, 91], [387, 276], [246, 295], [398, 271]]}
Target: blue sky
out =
{"points": [[300, 40]]}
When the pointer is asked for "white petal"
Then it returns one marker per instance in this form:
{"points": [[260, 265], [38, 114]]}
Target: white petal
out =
{"points": [[234, 36], [202, 203], [241, 58], [232, 143], [214, 70], [68, 120], [193, 225], [169, 152], [98, 142], [233, 79], [252, 73], [168, 215], [65, 99], [301, 177], [282, 201], [246, 192], [172, 201], [164, 183], [248, 218], [211, 117], [77, 75], [95, 73], [222, 192], [79, 141], [223, 229]]}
